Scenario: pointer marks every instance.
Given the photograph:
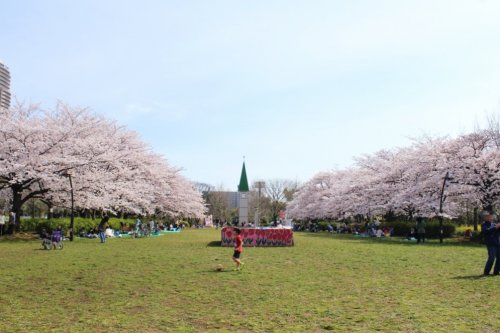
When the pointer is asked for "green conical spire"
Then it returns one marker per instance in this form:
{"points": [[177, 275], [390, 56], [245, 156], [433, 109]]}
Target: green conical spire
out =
{"points": [[243, 187]]}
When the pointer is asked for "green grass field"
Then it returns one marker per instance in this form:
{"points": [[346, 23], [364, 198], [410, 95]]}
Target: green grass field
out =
{"points": [[323, 283]]}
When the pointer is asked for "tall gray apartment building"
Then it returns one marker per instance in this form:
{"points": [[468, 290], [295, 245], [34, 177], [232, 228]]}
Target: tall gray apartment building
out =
{"points": [[4, 86]]}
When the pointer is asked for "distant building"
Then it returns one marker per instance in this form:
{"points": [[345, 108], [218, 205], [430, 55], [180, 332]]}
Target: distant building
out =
{"points": [[243, 191], [232, 198], [221, 204], [4, 86]]}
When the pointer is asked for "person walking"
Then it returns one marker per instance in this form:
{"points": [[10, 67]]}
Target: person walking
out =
{"points": [[102, 228], [12, 223], [420, 228], [491, 232], [2, 222], [57, 238]]}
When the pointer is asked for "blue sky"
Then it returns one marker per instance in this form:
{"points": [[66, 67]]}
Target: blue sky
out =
{"points": [[297, 87]]}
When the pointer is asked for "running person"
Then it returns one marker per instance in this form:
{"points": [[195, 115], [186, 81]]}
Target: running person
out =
{"points": [[238, 248]]}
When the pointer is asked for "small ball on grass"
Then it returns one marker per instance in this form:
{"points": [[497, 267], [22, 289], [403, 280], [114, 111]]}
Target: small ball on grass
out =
{"points": [[219, 268]]}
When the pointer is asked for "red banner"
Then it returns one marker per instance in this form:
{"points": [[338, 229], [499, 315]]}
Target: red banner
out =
{"points": [[258, 237]]}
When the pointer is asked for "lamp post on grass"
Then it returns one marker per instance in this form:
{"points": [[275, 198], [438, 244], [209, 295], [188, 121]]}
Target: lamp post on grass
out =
{"points": [[260, 185], [446, 177], [72, 218]]}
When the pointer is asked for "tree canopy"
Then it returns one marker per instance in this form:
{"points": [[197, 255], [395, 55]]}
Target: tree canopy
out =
{"points": [[408, 180], [111, 168]]}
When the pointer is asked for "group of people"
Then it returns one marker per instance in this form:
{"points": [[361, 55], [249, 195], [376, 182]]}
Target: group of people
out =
{"points": [[141, 229], [138, 229], [102, 231], [376, 231], [490, 229], [94, 232], [52, 240], [7, 224]]}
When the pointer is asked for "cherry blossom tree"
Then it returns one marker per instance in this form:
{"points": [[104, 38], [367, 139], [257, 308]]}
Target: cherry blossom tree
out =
{"points": [[408, 180], [110, 167], [473, 161], [308, 202]]}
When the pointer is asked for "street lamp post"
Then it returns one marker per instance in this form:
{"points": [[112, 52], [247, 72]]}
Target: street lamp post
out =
{"points": [[72, 218], [446, 177], [260, 185]]}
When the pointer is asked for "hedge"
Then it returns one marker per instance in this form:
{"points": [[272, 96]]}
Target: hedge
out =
{"points": [[432, 230], [85, 223]]}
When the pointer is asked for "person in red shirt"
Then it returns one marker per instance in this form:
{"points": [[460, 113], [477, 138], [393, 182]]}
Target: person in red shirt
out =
{"points": [[238, 248]]}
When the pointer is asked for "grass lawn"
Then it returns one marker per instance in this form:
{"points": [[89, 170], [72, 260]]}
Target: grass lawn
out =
{"points": [[323, 283]]}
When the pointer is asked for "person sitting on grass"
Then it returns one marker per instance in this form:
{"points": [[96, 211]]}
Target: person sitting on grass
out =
{"points": [[45, 237], [93, 233], [468, 233], [109, 232], [411, 235]]}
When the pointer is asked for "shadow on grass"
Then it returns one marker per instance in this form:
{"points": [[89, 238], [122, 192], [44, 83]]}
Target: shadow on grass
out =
{"points": [[472, 277], [13, 239], [397, 240], [220, 272], [214, 244]]}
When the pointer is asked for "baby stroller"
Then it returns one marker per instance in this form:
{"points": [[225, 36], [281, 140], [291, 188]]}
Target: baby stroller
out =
{"points": [[57, 239]]}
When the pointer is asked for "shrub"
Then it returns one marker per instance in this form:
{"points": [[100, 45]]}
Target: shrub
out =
{"points": [[432, 230], [184, 224], [323, 225], [36, 225], [399, 228], [477, 237]]}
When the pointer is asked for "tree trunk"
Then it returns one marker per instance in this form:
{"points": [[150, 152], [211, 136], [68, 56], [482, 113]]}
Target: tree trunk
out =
{"points": [[49, 208], [17, 202], [475, 218]]}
